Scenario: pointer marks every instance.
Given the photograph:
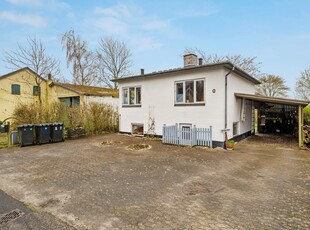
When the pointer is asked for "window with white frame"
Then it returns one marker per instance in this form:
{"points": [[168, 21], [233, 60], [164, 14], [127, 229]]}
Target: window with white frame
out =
{"points": [[131, 96], [190, 92]]}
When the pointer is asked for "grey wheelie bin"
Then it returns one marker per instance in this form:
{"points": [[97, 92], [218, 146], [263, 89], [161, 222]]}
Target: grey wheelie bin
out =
{"points": [[25, 134], [57, 132], [43, 133]]}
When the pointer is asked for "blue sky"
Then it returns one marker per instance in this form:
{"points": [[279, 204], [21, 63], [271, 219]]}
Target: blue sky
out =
{"points": [[277, 32]]}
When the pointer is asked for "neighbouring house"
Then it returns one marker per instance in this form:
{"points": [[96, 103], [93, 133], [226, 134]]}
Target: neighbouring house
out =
{"points": [[20, 87], [84, 94], [196, 95]]}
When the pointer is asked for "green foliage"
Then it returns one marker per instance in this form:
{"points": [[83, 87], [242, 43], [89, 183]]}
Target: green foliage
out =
{"points": [[272, 86], [94, 117], [99, 118], [231, 141], [307, 116], [36, 113], [302, 87]]}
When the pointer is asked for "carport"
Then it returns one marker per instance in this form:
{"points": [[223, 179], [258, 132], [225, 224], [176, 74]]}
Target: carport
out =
{"points": [[286, 112]]}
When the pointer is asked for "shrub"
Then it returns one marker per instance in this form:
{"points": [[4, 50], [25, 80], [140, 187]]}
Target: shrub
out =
{"points": [[94, 117], [307, 116], [99, 118]]}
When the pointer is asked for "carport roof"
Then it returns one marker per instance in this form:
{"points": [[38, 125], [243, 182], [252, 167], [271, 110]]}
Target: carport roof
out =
{"points": [[275, 100]]}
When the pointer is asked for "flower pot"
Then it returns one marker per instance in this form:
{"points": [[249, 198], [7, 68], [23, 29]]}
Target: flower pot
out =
{"points": [[230, 145]]}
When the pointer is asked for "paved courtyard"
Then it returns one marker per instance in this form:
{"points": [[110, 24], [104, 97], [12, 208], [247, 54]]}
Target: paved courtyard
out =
{"points": [[97, 183]]}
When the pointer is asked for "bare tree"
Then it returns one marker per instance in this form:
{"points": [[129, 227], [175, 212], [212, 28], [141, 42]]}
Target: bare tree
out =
{"points": [[248, 64], [114, 60], [84, 68], [272, 86], [302, 87], [33, 56]]}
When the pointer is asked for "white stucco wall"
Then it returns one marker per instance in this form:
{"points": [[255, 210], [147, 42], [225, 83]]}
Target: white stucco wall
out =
{"points": [[158, 101], [237, 84], [114, 101]]}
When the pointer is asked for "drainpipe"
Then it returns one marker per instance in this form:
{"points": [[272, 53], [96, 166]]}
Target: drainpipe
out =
{"points": [[225, 129], [233, 68]]}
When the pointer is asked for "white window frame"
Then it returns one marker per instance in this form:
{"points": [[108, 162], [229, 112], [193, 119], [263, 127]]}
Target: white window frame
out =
{"points": [[194, 93], [135, 96], [237, 128]]}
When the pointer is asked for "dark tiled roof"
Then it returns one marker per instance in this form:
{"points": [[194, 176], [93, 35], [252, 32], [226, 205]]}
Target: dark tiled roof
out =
{"points": [[227, 65]]}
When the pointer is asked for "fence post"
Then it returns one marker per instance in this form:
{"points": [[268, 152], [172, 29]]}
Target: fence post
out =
{"points": [[164, 132], [194, 136], [210, 136]]}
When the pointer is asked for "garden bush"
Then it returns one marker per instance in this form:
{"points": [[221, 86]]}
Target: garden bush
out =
{"points": [[307, 116], [95, 118]]}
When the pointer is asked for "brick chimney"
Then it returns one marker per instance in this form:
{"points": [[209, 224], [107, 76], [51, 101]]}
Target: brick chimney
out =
{"points": [[49, 76], [190, 60]]}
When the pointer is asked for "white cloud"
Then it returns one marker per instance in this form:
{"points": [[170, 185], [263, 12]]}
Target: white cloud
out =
{"points": [[26, 19], [117, 11], [127, 18], [143, 43], [155, 24], [128, 21], [46, 4], [111, 25], [32, 3]]}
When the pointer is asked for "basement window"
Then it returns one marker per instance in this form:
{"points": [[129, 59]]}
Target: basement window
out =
{"points": [[137, 129], [235, 128]]}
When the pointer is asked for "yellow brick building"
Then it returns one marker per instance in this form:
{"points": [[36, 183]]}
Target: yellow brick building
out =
{"points": [[21, 87]]}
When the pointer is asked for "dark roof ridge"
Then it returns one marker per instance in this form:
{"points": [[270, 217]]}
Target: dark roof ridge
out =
{"points": [[19, 70], [225, 64]]}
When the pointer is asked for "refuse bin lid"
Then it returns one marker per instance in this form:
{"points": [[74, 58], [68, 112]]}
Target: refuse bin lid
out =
{"points": [[44, 124], [57, 123], [24, 125]]}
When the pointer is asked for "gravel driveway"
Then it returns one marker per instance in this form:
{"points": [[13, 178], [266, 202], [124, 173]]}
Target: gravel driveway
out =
{"points": [[97, 183]]}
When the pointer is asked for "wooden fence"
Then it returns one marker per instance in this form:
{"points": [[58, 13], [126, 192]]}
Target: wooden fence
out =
{"points": [[188, 136]]}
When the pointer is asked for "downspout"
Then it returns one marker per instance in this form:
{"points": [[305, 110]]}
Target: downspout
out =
{"points": [[230, 71], [225, 129]]}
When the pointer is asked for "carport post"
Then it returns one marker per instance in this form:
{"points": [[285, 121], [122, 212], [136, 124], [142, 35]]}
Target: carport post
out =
{"points": [[300, 126]]}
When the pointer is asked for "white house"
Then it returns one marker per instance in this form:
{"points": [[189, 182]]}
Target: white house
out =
{"points": [[195, 95]]}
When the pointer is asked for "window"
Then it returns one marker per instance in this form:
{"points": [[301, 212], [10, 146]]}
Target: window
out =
{"points": [[132, 96], [70, 101], [189, 92], [16, 89], [137, 129], [36, 90], [235, 128]]}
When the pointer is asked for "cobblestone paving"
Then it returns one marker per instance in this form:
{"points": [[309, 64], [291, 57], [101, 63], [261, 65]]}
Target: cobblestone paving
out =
{"points": [[95, 186]]}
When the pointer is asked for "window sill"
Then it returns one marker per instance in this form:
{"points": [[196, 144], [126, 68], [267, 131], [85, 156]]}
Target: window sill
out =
{"points": [[190, 104], [129, 106]]}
